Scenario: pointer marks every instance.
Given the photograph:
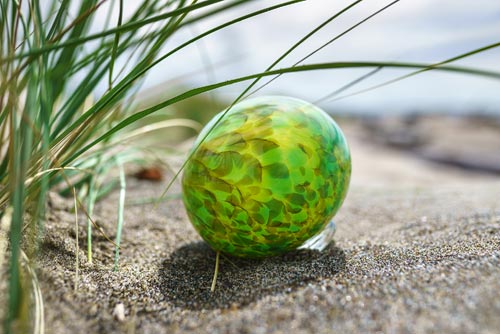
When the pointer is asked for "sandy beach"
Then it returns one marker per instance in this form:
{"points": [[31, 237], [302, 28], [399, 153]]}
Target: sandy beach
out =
{"points": [[417, 250]]}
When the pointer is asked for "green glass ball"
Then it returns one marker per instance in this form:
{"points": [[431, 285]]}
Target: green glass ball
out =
{"points": [[270, 175]]}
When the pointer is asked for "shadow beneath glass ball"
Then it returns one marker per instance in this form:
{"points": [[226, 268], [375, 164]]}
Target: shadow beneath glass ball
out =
{"points": [[186, 277]]}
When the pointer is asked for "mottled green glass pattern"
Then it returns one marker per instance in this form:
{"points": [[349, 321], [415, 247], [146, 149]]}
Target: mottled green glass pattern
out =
{"points": [[269, 176]]}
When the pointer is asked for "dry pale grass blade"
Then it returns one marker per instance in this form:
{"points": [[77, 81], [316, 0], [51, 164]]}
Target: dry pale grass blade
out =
{"points": [[188, 123], [216, 272], [38, 309], [4, 234], [77, 265], [55, 169]]}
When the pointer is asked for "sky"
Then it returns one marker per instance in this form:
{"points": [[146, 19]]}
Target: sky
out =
{"points": [[425, 31]]}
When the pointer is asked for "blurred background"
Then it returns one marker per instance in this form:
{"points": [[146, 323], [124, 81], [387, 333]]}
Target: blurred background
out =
{"points": [[423, 31], [443, 117]]}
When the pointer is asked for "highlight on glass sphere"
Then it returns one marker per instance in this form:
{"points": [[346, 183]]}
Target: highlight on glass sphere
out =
{"points": [[266, 177]]}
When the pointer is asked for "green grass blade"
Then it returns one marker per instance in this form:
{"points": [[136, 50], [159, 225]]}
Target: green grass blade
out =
{"points": [[17, 200], [58, 22], [348, 85], [225, 6], [77, 246], [91, 199], [42, 120], [22, 145], [121, 208], [115, 46], [419, 71], [57, 75]]}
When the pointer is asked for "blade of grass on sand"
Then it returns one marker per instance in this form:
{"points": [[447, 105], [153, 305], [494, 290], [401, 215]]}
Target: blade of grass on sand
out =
{"points": [[91, 199], [121, 208], [39, 314], [21, 144], [43, 127], [77, 248]]}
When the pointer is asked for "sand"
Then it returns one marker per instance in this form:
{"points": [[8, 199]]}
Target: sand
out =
{"points": [[417, 250]]}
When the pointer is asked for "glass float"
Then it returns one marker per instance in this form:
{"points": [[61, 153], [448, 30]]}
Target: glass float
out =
{"points": [[266, 177]]}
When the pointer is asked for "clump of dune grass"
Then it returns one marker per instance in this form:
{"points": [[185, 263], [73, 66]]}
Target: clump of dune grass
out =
{"points": [[58, 132]]}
